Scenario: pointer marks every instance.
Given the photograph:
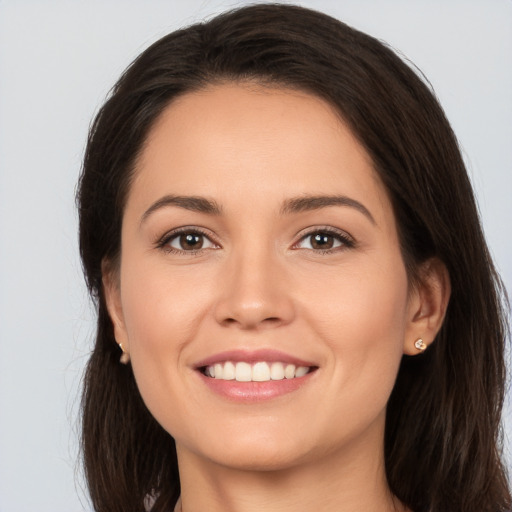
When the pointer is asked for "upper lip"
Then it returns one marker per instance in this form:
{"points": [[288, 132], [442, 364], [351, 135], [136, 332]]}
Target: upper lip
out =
{"points": [[253, 356]]}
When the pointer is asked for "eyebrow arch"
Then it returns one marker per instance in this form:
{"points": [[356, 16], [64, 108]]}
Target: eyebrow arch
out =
{"points": [[307, 203], [192, 203]]}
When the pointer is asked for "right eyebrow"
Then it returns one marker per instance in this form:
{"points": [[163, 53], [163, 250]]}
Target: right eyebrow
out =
{"points": [[193, 203]]}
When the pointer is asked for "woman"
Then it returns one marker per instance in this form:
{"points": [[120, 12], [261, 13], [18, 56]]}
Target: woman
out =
{"points": [[296, 305]]}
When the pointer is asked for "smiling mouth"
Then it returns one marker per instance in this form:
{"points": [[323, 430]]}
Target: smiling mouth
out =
{"points": [[255, 372]]}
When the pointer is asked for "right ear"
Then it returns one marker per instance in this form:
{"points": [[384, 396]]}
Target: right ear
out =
{"points": [[112, 291]]}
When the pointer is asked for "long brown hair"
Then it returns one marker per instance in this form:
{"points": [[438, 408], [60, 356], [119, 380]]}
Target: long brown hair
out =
{"points": [[443, 418]]}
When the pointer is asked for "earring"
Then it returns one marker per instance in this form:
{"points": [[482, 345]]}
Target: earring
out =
{"points": [[125, 357], [420, 345]]}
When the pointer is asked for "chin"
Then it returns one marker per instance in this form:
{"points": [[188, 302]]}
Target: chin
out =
{"points": [[257, 449], [257, 458]]}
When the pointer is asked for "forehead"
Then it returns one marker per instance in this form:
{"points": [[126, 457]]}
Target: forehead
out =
{"points": [[252, 141]]}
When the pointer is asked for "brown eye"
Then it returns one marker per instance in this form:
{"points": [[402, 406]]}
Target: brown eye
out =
{"points": [[190, 241], [325, 241], [321, 241]]}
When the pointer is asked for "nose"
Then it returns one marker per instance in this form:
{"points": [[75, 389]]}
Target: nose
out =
{"points": [[254, 292]]}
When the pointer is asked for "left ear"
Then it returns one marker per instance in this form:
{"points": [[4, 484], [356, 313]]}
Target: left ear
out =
{"points": [[428, 300]]}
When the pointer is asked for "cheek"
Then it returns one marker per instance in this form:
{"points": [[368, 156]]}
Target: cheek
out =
{"points": [[363, 303], [362, 319], [158, 322], [162, 314], [161, 308], [166, 308]]}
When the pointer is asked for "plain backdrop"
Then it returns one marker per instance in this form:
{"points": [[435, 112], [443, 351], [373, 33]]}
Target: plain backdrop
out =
{"points": [[58, 60]]}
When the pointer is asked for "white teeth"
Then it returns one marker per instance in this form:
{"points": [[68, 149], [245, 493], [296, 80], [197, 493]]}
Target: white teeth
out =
{"points": [[277, 371], [243, 372], [301, 371], [289, 371], [229, 371], [258, 372]]}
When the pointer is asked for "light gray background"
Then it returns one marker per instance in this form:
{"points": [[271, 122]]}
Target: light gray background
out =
{"points": [[58, 60]]}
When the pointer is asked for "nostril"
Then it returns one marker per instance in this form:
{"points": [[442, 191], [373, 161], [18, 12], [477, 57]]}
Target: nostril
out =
{"points": [[253, 313], [272, 321]]}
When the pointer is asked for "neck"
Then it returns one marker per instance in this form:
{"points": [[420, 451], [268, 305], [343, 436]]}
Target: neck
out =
{"points": [[343, 481]]}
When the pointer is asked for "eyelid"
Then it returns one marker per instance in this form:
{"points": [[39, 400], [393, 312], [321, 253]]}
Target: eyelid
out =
{"points": [[347, 240], [163, 241]]}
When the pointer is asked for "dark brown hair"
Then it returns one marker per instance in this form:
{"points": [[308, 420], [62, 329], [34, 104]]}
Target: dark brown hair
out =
{"points": [[443, 418]]}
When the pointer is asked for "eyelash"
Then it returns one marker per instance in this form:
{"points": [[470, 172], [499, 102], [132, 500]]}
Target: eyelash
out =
{"points": [[346, 241], [164, 242]]}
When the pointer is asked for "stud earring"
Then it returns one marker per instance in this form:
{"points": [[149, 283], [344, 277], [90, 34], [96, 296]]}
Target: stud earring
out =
{"points": [[420, 345], [125, 357]]}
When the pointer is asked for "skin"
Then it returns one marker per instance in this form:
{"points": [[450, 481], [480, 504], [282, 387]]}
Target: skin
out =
{"points": [[258, 283]]}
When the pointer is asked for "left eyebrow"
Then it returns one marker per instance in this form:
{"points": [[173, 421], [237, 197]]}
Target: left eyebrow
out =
{"points": [[307, 203]]}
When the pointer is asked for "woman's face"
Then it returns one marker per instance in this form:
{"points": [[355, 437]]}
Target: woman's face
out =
{"points": [[262, 293]]}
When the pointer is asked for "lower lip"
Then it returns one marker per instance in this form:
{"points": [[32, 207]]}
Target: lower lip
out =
{"points": [[254, 391]]}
